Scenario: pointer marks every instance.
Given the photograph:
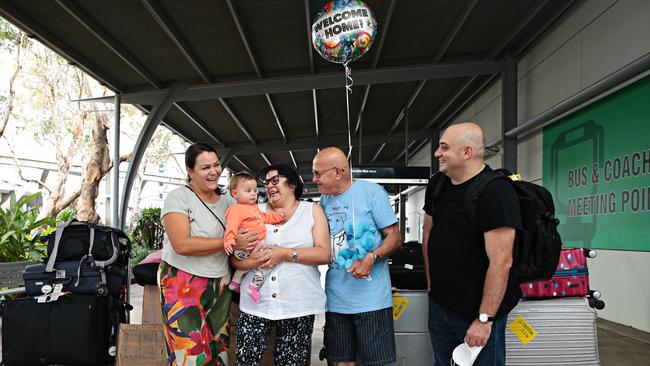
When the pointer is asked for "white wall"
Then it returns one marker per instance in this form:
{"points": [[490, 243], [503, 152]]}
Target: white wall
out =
{"points": [[594, 39]]}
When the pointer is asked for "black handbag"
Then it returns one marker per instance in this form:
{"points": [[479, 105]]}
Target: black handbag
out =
{"points": [[70, 331]]}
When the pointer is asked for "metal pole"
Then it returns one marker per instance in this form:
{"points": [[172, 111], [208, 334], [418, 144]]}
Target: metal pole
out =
{"points": [[115, 176], [509, 111], [402, 214], [406, 136], [435, 139], [360, 138]]}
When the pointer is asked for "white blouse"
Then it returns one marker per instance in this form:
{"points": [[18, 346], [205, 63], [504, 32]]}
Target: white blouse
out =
{"points": [[291, 290]]}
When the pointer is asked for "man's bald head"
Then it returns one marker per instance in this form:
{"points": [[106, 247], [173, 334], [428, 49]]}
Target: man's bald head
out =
{"points": [[461, 151], [331, 171], [332, 156], [469, 134]]}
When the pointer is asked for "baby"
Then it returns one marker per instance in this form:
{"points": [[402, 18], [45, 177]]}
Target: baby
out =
{"points": [[247, 215]]}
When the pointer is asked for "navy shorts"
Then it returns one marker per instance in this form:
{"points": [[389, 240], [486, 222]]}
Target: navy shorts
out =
{"points": [[365, 336]]}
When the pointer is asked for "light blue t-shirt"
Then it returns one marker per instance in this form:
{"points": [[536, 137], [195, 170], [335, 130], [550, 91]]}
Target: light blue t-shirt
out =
{"points": [[346, 294]]}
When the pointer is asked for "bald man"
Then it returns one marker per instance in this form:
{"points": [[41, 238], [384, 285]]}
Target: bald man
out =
{"points": [[467, 266], [359, 317]]}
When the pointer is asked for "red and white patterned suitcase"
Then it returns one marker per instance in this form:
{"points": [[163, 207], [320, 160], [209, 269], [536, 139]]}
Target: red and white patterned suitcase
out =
{"points": [[571, 277]]}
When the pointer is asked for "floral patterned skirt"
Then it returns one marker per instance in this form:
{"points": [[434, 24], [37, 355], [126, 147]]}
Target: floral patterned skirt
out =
{"points": [[195, 315]]}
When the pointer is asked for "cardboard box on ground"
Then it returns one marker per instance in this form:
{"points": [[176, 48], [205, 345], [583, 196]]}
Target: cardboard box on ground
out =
{"points": [[141, 344], [148, 337]]}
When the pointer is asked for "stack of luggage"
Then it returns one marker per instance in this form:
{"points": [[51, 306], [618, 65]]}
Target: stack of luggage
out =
{"points": [[75, 300], [561, 315]]}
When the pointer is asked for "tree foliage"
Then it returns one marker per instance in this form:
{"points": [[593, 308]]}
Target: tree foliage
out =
{"points": [[17, 223], [147, 228]]}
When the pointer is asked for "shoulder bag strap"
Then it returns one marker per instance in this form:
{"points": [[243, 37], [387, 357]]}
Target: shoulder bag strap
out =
{"points": [[474, 192], [206, 206], [55, 250]]}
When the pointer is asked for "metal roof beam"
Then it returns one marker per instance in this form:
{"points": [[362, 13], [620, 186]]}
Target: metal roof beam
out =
{"points": [[18, 18], [514, 32], [103, 36], [318, 81], [249, 170], [311, 63], [442, 110], [453, 32], [556, 14], [375, 61], [198, 122], [309, 144], [453, 114], [240, 29], [236, 119], [266, 159], [258, 71], [496, 50], [165, 23]]}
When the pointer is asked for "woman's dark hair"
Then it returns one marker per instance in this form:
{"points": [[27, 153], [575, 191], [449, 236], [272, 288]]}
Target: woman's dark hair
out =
{"points": [[288, 172], [195, 150]]}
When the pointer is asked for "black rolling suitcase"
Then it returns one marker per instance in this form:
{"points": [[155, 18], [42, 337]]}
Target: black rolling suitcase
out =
{"points": [[406, 267], [74, 330]]}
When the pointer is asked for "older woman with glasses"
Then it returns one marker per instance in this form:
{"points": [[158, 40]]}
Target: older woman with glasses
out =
{"points": [[292, 293]]}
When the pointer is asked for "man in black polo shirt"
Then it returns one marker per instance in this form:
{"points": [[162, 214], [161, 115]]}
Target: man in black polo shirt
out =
{"points": [[468, 267]]}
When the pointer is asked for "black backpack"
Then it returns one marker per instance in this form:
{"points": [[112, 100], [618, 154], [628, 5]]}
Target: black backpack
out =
{"points": [[538, 242]]}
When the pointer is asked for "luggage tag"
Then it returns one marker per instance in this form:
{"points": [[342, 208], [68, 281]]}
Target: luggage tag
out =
{"points": [[58, 289]]}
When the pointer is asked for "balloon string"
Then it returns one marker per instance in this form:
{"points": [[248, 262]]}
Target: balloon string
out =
{"points": [[348, 90]]}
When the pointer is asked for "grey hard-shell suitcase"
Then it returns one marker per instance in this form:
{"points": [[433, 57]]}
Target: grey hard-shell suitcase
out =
{"points": [[566, 330]]}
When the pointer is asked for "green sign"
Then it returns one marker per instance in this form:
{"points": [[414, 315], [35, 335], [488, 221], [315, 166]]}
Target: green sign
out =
{"points": [[597, 166]]}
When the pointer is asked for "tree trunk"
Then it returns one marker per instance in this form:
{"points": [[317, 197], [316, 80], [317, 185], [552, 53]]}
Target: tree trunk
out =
{"points": [[55, 201], [98, 165], [12, 93]]}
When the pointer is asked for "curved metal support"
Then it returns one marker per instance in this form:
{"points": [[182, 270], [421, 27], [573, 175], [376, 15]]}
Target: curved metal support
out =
{"points": [[156, 115]]}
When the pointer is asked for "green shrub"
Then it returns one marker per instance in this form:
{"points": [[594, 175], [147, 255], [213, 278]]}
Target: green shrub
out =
{"points": [[66, 214], [147, 229], [139, 253], [20, 231]]}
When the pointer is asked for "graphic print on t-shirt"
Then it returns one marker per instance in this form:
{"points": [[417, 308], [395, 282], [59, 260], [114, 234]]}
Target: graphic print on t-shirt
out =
{"points": [[338, 235]]}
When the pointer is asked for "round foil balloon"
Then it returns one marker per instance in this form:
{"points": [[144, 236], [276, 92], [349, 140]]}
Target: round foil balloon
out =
{"points": [[343, 30]]}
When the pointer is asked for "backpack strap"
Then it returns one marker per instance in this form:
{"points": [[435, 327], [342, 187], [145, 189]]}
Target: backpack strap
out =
{"points": [[437, 181], [474, 193]]}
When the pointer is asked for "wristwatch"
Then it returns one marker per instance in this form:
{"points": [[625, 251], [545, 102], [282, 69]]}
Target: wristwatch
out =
{"points": [[375, 256], [484, 318], [294, 255]]}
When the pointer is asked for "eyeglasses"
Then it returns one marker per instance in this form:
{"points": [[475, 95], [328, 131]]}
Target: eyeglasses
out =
{"points": [[318, 174], [273, 180]]}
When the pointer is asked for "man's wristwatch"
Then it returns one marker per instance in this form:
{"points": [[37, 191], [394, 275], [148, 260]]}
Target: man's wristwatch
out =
{"points": [[294, 255], [484, 318], [375, 256]]}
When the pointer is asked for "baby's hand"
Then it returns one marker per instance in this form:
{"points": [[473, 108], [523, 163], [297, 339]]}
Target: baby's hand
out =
{"points": [[228, 249], [283, 213]]}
